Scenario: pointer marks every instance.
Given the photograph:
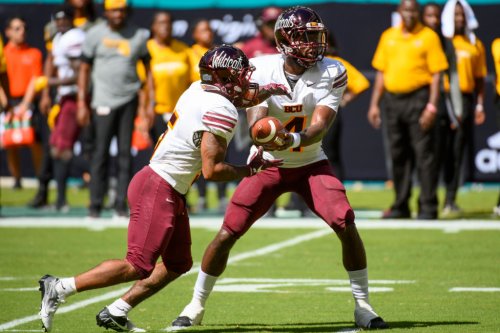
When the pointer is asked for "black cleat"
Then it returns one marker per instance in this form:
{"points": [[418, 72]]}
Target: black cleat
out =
{"points": [[117, 323], [182, 321], [377, 324]]}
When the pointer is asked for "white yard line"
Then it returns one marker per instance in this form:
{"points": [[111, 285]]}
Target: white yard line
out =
{"points": [[238, 257], [214, 223], [475, 289], [20, 289]]}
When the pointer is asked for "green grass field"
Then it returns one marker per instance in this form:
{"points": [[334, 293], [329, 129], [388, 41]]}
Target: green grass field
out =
{"points": [[299, 287], [411, 275]]}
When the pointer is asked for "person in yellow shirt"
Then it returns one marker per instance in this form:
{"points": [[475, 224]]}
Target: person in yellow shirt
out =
{"points": [[409, 60], [458, 23], [171, 70], [495, 52], [203, 37], [357, 83]]}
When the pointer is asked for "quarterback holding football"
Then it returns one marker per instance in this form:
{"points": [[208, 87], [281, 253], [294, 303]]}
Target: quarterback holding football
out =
{"points": [[316, 85]]}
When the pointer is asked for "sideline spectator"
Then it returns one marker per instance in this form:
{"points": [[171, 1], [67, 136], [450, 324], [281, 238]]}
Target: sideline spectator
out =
{"points": [[203, 37], [4, 81], [263, 43], [110, 53], [456, 129], [408, 60], [66, 52], [23, 63], [84, 18], [170, 68]]}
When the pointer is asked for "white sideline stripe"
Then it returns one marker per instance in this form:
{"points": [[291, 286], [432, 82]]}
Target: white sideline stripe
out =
{"points": [[475, 289], [23, 331], [214, 223], [20, 289], [308, 281], [119, 292]]}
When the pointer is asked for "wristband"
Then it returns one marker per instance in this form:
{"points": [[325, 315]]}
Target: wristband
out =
{"points": [[479, 107], [296, 140], [431, 108]]}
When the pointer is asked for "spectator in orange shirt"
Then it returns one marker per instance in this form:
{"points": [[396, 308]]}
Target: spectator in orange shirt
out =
{"points": [[4, 82], [23, 63]]}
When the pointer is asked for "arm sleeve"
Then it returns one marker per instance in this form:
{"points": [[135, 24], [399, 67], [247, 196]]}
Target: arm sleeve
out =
{"points": [[74, 45], [220, 121], [89, 48], [143, 51], [378, 61], [333, 98], [38, 69]]}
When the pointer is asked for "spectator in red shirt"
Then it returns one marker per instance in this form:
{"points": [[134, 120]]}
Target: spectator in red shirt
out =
{"points": [[263, 43], [23, 63]]}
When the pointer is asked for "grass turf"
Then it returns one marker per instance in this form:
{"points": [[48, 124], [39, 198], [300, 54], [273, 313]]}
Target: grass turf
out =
{"points": [[430, 261]]}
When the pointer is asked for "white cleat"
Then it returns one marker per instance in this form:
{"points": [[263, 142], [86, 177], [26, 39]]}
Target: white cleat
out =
{"points": [[50, 300], [190, 316], [365, 317]]}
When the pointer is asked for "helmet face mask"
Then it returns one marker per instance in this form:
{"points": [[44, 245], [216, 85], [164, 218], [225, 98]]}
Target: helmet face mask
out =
{"points": [[301, 34], [227, 71]]}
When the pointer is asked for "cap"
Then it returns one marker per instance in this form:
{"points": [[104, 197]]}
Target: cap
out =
{"points": [[270, 14], [114, 4], [63, 11]]}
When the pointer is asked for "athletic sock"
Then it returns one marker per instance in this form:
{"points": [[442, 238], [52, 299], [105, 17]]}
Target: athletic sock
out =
{"points": [[359, 286], [119, 308], [203, 287], [66, 287]]}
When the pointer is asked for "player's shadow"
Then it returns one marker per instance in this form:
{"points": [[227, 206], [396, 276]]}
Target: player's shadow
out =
{"points": [[319, 327]]}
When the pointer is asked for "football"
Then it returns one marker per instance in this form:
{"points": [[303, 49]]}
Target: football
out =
{"points": [[266, 130]]}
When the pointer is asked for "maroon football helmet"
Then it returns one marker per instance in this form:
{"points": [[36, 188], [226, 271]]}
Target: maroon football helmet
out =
{"points": [[300, 33], [226, 70]]}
